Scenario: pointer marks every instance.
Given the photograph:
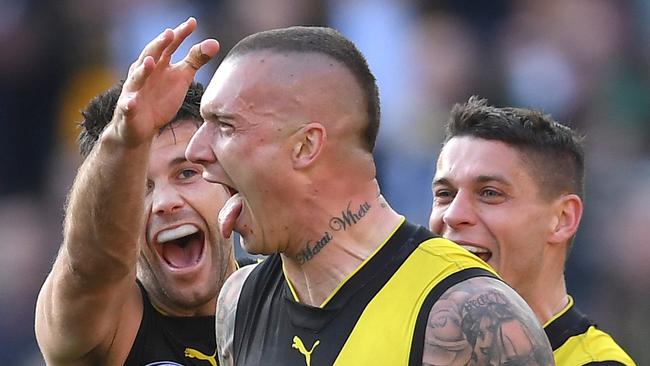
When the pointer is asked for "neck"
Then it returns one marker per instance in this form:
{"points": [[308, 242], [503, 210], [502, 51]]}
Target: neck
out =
{"points": [[347, 232], [548, 301], [181, 303], [205, 309]]}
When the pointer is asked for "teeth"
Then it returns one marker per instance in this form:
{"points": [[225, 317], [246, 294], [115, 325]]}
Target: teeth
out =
{"points": [[475, 250], [175, 233]]}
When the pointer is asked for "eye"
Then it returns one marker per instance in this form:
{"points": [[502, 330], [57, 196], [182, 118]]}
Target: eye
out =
{"points": [[442, 196], [187, 174], [491, 195], [225, 128], [149, 186]]}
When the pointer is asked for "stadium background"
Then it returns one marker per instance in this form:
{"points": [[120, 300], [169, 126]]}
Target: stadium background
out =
{"points": [[587, 62]]}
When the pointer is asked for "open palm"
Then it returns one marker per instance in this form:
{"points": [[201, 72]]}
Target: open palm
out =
{"points": [[154, 89]]}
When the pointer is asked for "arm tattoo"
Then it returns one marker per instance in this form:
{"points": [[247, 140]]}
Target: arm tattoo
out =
{"points": [[482, 321], [226, 314], [348, 218]]}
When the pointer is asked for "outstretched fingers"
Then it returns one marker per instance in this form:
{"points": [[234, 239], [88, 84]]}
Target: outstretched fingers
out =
{"points": [[154, 48], [136, 79], [139, 75], [181, 32]]}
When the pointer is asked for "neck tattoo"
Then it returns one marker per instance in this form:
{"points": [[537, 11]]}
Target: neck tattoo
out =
{"points": [[348, 218]]}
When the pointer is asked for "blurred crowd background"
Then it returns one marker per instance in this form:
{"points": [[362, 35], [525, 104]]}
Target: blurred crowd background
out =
{"points": [[586, 62]]}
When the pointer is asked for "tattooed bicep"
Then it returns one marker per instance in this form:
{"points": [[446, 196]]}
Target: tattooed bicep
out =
{"points": [[226, 314], [482, 321]]}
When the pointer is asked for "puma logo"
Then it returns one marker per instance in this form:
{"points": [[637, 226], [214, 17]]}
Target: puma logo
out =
{"points": [[297, 344], [192, 353]]}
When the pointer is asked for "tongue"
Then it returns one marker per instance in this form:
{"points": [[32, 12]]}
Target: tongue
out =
{"points": [[182, 256], [484, 256], [228, 215]]}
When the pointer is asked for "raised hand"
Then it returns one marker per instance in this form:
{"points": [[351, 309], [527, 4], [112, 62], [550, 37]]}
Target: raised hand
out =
{"points": [[154, 88]]}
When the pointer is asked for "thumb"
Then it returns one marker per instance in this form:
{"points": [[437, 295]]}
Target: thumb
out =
{"points": [[201, 53]]}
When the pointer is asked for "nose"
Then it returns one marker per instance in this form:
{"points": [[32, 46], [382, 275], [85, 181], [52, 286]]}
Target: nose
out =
{"points": [[460, 212], [166, 200], [198, 150]]}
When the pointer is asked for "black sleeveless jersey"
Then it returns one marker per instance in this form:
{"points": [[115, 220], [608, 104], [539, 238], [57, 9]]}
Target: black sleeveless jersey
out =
{"points": [[377, 316], [171, 341]]}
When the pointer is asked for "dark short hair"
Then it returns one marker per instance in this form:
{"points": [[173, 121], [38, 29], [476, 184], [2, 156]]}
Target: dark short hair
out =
{"points": [[99, 113], [553, 153], [325, 41]]}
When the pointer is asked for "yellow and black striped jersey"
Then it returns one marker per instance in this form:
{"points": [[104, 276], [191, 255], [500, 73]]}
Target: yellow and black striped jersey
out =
{"points": [[377, 316], [576, 341]]}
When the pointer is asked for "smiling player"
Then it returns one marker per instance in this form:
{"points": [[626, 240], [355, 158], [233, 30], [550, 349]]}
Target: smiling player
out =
{"points": [[137, 277], [508, 187]]}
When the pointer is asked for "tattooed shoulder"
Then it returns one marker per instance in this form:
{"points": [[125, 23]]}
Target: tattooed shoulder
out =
{"points": [[482, 321], [226, 313]]}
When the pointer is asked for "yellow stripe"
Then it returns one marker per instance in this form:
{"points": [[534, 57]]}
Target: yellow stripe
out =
{"points": [[566, 308], [383, 334], [592, 346]]}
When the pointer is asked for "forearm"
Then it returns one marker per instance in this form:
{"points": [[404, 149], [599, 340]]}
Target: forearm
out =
{"points": [[104, 216], [83, 298]]}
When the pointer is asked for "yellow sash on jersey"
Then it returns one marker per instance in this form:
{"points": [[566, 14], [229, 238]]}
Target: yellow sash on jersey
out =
{"points": [[384, 332]]}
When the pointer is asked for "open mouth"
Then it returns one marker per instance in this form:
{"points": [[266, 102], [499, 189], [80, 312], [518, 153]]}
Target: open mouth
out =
{"points": [[181, 247], [482, 253], [231, 190]]}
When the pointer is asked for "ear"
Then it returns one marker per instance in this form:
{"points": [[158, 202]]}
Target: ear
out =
{"points": [[568, 214], [310, 142]]}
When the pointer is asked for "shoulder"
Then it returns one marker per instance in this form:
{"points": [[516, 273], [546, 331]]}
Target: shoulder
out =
{"points": [[233, 285], [227, 313], [246, 281], [444, 250], [245, 261], [482, 321], [576, 339], [595, 345]]}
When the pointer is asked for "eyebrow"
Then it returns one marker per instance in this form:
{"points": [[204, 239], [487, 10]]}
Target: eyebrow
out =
{"points": [[177, 161], [441, 182], [480, 179], [212, 116]]}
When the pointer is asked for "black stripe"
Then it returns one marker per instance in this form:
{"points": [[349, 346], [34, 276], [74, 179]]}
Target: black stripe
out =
{"points": [[253, 297], [604, 363], [569, 324], [417, 345]]}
